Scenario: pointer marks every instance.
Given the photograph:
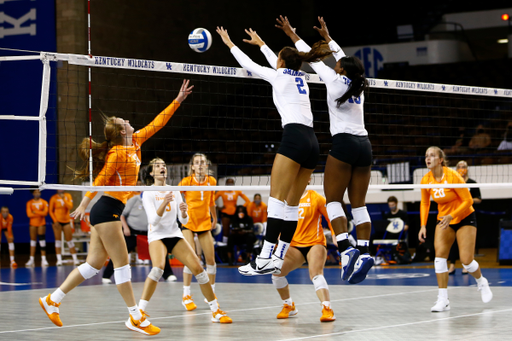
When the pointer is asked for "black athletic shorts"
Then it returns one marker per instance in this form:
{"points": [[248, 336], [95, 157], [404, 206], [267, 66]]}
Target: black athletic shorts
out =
{"points": [[470, 220], [300, 144], [107, 209], [170, 243], [352, 149], [225, 215], [305, 250]]}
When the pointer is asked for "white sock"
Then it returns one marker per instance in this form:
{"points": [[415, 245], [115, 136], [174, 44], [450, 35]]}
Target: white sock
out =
{"points": [[43, 258], [135, 312], [443, 293], [57, 295], [479, 280], [282, 248], [361, 242], [32, 258], [288, 301], [213, 288], [342, 236], [214, 306], [143, 304], [327, 304], [267, 249], [12, 258], [59, 257], [186, 291], [75, 258]]}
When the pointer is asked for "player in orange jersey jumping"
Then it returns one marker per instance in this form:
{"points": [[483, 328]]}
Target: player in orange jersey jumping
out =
{"points": [[60, 205], [201, 210], [456, 218], [6, 221], [37, 210], [118, 167], [308, 244], [228, 209]]}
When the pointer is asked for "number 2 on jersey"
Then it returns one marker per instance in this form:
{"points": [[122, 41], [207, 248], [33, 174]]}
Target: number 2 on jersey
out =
{"points": [[300, 86]]}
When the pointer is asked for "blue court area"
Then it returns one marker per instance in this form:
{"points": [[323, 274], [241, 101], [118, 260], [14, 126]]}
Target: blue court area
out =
{"points": [[52, 277]]}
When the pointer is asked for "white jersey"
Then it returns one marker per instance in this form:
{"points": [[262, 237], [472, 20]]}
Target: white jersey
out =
{"points": [[165, 226], [290, 90], [348, 117]]}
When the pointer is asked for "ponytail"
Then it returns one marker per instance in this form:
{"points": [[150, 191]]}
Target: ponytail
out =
{"points": [[99, 150], [358, 83], [293, 59]]}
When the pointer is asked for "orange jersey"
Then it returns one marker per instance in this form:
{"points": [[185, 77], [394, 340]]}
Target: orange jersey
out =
{"points": [[37, 211], [199, 203], [257, 213], [456, 202], [309, 228], [60, 207], [6, 223], [122, 163], [229, 200]]}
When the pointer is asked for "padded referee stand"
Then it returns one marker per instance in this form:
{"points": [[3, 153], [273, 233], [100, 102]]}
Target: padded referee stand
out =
{"points": [[394, 234], [505, 249]]}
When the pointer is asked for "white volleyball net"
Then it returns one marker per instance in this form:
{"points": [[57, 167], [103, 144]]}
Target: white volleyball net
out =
{"points": [[231, 118]]}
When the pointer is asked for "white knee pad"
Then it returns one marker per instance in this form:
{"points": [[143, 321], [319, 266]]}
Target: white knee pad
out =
{"points": [[186, 270], [87, 271], [335, 210], [123, 274], [319, 282], [58, 244], [275, 208], [33, 243], [279, 281], [156, 273], [291, 213], [472, 267], [440, 265], [11, 246], [211, 269], [202, 278], [70, 244], [42, 243], [360, 215]]}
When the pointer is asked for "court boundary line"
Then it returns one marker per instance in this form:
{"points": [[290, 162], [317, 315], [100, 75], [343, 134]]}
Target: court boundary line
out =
{"points": [[396, 325], [208, 312]]}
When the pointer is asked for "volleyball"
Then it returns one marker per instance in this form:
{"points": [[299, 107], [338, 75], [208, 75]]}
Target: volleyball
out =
{"points": [[200, 40]]}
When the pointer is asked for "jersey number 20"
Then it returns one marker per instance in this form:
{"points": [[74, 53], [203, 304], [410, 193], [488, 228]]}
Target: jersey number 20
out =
{"points": [[300, 86]]}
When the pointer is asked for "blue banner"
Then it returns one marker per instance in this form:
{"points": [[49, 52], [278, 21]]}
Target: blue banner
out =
{"points": [[25, 25]]}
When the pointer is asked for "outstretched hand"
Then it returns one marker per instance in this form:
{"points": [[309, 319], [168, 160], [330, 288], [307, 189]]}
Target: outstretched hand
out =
{"points": [[284, 24], [225, 36], [255, 38], [323, 31], [185, 90]]}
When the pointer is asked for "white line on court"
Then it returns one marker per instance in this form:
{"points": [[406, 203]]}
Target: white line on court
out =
{"points": [[397, 325], [208, 313]]}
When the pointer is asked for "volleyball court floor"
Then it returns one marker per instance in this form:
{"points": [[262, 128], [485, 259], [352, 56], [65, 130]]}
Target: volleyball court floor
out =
{"points": [[391, 304]]}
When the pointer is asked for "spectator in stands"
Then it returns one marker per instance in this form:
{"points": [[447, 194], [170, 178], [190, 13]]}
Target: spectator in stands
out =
{"points": [[6, 221], [460, 145], [257, 210], [395, 212], [462, 168], [506, 144], [480, 140], [242, 233], [228, 209]]}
